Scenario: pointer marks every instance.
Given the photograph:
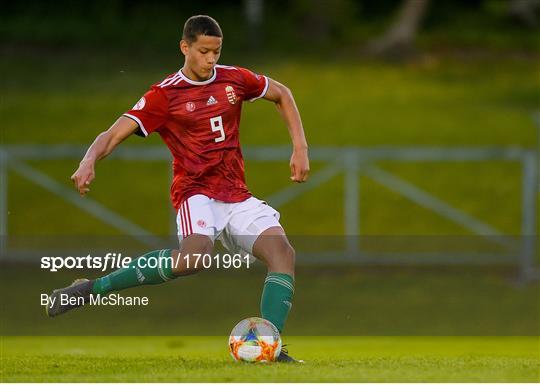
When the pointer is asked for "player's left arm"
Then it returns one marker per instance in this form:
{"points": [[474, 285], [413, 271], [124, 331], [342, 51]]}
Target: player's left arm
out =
{"points": [[284, 100]]}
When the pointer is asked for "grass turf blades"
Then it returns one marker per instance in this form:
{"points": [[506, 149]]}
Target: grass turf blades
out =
{"points": [[339, 359]]}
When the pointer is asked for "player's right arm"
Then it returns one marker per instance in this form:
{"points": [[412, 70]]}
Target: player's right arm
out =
{"points": [[102, 146]]}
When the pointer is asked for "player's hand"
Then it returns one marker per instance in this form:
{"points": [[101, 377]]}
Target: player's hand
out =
{"points": [[83, 177], [299, 165]]}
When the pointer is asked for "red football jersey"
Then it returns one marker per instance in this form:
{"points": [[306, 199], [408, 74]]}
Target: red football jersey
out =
{"points": [[199, 122]]}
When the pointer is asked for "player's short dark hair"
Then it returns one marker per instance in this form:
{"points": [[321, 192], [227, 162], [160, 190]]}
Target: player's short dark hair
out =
{"points": [[200, 25]]}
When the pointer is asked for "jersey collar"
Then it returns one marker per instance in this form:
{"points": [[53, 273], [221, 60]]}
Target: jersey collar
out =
{"points": [[196, 83]]}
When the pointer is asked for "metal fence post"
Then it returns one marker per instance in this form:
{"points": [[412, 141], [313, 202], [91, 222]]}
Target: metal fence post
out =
{"points": [[3, 202], [529, 215], [351, 201]]}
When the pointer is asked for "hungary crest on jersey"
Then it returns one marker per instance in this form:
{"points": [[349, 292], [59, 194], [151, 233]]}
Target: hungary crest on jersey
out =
{"points": [[231, 96]]}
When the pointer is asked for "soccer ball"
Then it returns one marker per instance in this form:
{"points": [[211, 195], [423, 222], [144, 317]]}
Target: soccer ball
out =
{"points": [[255, 340]]}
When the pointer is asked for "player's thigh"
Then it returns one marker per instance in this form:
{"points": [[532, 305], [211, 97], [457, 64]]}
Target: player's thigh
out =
{"points": [[192, 250], [254, 228]]}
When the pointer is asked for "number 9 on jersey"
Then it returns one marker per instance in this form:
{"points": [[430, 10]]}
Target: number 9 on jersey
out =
{"points": [[217, 125]]}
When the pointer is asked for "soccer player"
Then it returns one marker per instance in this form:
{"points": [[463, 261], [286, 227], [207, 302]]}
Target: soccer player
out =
{"points": [[197, 111]]}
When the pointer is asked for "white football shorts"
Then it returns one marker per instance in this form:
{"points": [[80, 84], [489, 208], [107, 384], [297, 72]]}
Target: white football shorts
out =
{"points": [[236, 225]]}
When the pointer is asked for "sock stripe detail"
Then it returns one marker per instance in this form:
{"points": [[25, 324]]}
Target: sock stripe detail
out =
{"points": [[279, 278], [161, 258], [160, 272], [281, 284], [162, 275], [279, 281]]}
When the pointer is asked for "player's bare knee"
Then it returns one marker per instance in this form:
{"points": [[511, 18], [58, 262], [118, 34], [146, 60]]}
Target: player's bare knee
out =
{"points": [[289, 255], [281, 257]]}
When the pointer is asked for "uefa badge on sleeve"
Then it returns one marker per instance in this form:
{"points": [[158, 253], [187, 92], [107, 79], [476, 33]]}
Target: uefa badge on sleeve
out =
{"points": [[231, 95], [140, 104]]}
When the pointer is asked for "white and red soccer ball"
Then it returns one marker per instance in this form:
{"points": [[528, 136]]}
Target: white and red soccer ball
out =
{"points": [[255, 340]]}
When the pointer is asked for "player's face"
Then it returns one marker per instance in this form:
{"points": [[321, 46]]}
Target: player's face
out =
{"points": [[202, 55]]}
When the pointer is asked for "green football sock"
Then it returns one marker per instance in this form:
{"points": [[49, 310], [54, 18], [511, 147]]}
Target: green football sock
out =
{"points": [[276, 298], [133, 275]]}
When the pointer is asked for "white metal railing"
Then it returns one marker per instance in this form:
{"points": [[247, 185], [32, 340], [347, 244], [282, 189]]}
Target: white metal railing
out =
{"points": [[352, 161]]}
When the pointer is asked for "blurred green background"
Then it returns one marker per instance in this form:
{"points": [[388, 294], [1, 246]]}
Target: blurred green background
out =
{"points": [[467, 76], [464, 74]]}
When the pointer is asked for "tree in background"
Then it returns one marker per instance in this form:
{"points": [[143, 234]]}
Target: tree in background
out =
{"points": [[254, 13], [321, 21], [525, 12], [398, 40], [299, 26]]}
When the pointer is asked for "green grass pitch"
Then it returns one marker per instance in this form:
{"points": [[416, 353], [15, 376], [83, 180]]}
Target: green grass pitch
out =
{"points": [[337, 359]]}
